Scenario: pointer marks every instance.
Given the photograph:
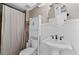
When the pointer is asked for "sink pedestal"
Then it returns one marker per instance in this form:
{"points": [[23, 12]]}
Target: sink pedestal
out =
{"points": [[55, 52]]}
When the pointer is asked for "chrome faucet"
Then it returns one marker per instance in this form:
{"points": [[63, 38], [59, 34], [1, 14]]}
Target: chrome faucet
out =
{"points": [[52, 36], [56, 37], [61, 37]]}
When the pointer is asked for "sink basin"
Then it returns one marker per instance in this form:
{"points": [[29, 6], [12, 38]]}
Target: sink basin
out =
{"points": [[57, 44]]}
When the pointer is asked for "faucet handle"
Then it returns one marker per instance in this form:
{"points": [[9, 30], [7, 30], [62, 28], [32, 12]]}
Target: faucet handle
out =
{"points": [[52, 36], [61, 37], [56, 37]]}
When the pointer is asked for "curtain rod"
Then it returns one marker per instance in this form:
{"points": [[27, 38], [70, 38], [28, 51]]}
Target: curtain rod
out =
{"points": [[12, 7]]}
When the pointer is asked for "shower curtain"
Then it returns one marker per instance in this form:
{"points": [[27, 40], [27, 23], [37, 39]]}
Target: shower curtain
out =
{"points": [[12, 31]]}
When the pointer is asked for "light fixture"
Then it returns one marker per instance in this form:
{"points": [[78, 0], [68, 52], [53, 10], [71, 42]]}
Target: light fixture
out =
{"points": [[40, 4]]}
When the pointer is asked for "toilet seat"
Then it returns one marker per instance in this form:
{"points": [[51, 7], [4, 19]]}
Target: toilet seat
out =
{"points": [[27, 51]]}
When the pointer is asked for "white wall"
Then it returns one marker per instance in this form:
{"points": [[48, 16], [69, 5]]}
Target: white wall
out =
{"points": [[71, 33], [73, 9], [43, 11], [48, 12], [49, 29]]}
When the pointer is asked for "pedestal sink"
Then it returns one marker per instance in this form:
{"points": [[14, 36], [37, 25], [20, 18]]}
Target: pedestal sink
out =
{"points": [[56, 45]]}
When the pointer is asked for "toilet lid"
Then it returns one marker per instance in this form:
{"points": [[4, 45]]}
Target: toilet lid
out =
{"points": [[27, 51]]}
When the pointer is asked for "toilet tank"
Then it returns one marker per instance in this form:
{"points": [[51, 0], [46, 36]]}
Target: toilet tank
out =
{"points": [[34, 43]]}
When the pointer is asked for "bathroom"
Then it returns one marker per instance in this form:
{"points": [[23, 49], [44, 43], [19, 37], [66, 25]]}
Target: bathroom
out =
{"points": [[60, 28], [39, 28]]}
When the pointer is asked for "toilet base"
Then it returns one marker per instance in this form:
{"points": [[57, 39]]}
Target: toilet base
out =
{"points": [[28, 51]]}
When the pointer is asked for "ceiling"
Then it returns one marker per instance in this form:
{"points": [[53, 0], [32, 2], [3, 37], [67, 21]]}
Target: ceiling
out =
{"points": [[24, 6]]}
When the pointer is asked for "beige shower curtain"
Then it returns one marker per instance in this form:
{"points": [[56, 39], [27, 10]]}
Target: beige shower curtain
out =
{"points": [[12, 31]]}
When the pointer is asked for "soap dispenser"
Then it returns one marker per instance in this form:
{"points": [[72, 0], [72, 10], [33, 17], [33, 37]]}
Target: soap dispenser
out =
{"points": [[56, 37], [61, 38]]}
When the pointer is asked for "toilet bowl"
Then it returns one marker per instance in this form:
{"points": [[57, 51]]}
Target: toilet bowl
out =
{"points": [[31, 49], [28, 51]]}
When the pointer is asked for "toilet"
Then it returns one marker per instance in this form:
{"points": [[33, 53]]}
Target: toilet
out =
{"points": [[31, 48], [34, 33]]}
